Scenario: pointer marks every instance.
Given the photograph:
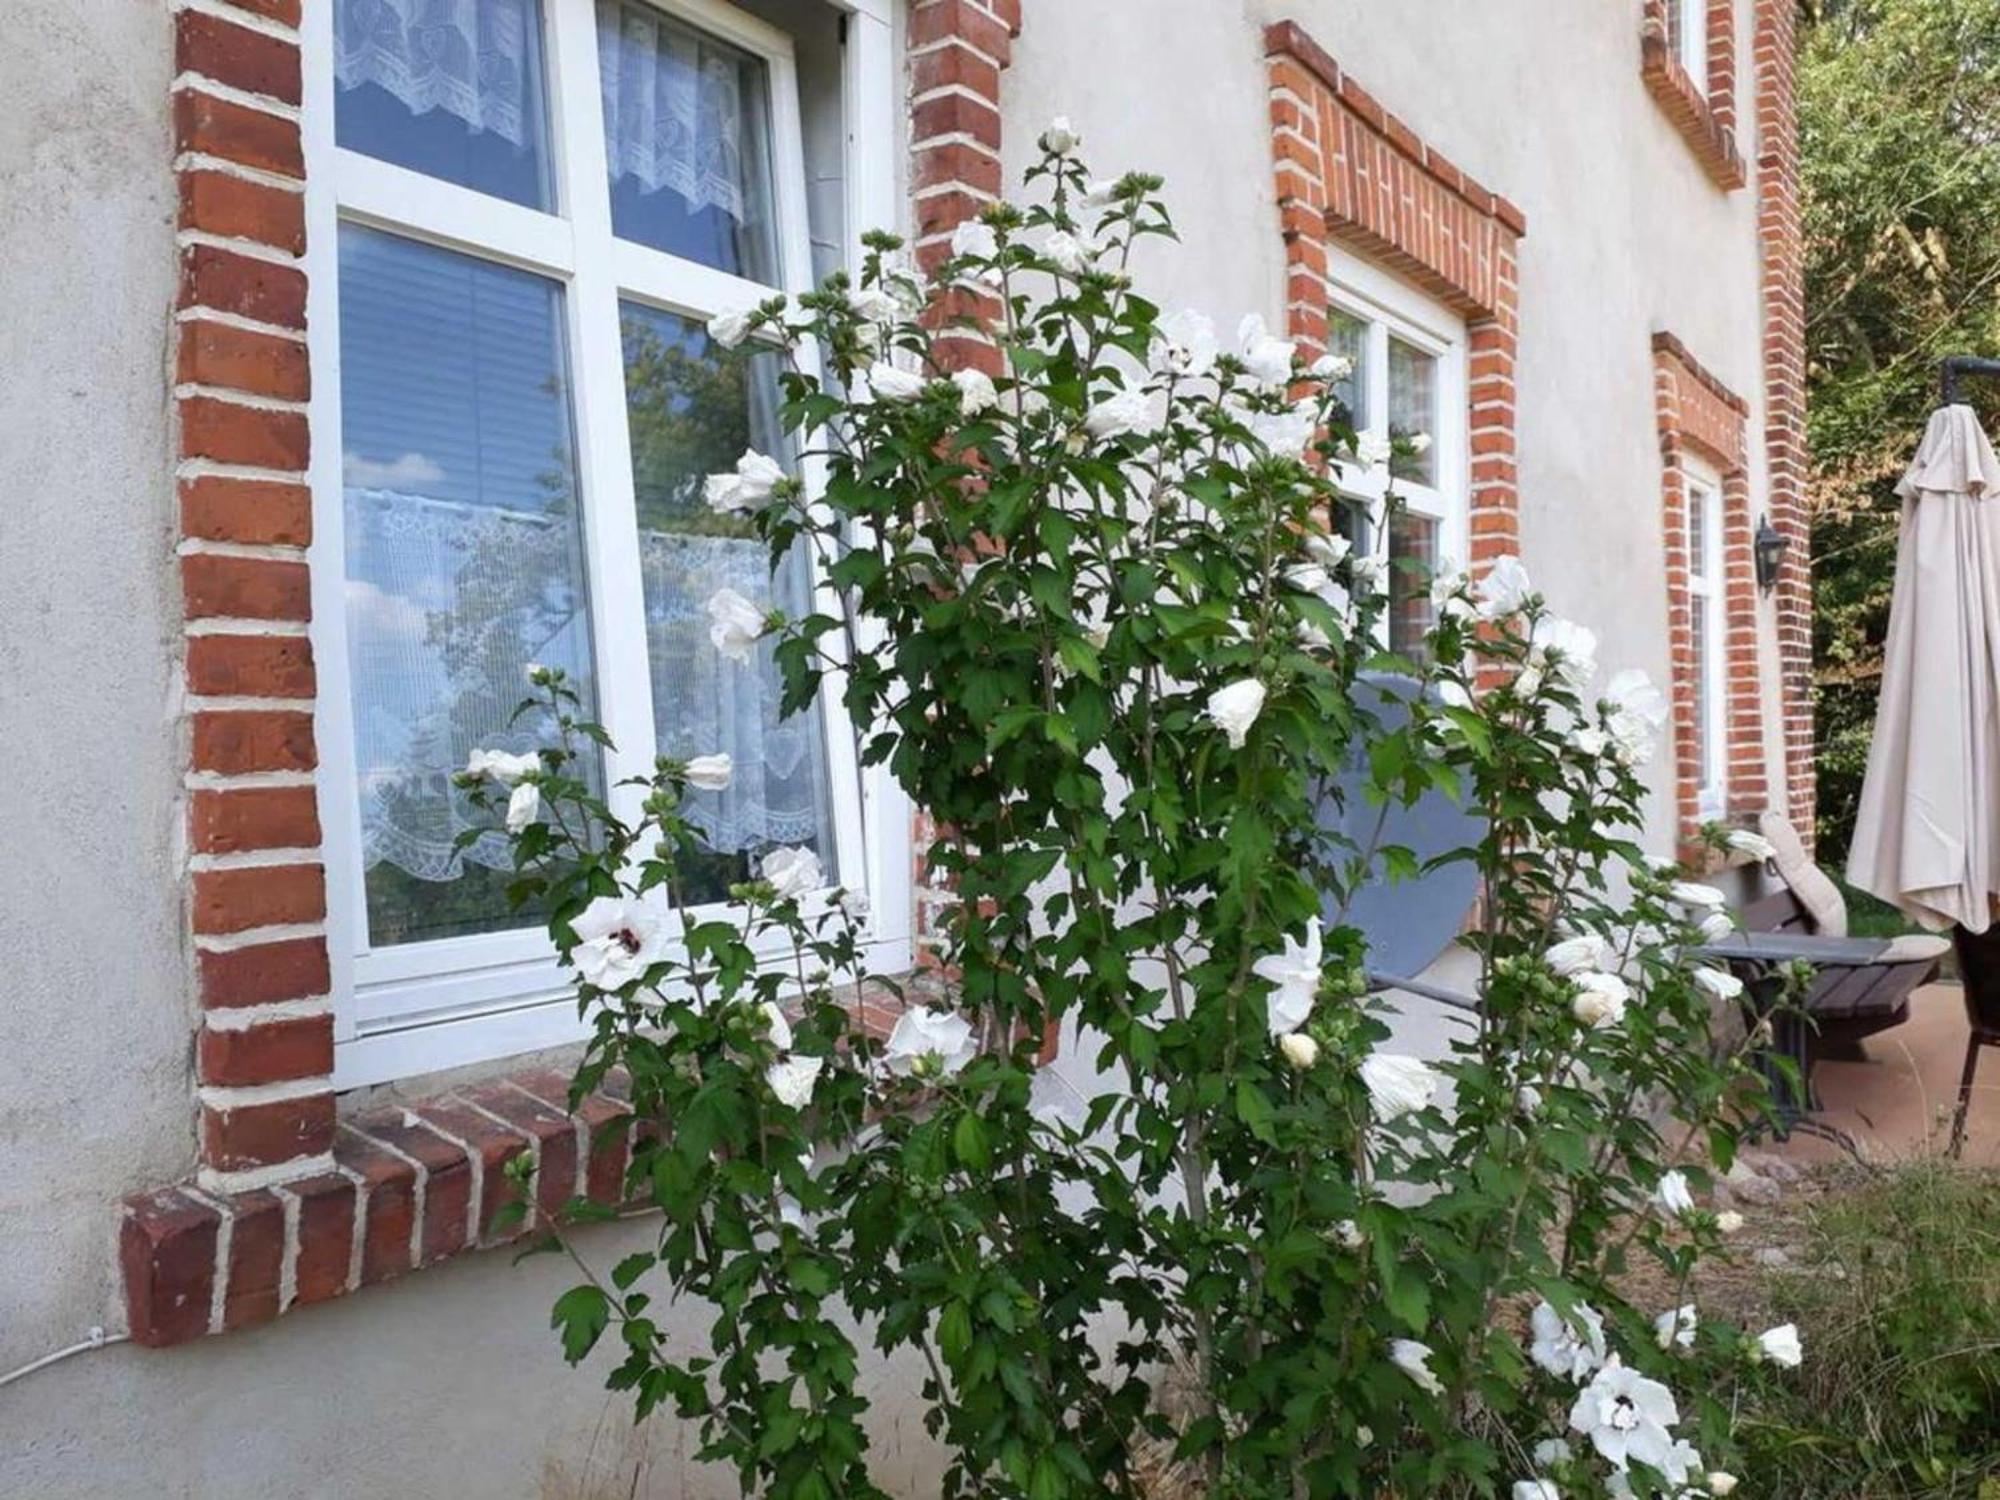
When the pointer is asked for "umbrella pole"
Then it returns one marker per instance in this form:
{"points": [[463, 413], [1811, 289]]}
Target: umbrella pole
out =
{"points": [[1954, 366]]}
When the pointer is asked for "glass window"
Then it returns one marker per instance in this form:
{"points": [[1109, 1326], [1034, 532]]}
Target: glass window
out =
{"points": [[1705, 635], [687, 141], [453, 90], [464, 557], [693, 408], [1408, 379], [524, 432], [1413, 558], [1413, 408], [1350, 520], [1347, 338], [1687, 23]]}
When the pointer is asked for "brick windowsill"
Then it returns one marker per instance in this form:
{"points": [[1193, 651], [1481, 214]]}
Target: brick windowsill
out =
{"points": [[410, 1185], [1707, 129]]}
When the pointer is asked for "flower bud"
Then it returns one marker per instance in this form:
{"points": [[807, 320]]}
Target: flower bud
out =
{"points": [[1300, 1050]]}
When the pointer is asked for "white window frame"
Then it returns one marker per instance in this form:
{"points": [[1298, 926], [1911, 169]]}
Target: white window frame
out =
{"points": [[1701, 489], [418, 1007], [1391, 307], [1691, 37]]}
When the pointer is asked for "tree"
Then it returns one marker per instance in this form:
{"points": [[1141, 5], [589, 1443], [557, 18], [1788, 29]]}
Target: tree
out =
{"points": [[1899, 133]]}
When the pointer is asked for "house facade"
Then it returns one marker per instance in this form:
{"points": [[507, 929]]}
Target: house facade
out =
{"points": [[354, 358]]}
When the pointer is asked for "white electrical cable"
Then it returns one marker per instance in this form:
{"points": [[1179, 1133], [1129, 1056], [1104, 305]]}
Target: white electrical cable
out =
{"points": [[98, 1339]]}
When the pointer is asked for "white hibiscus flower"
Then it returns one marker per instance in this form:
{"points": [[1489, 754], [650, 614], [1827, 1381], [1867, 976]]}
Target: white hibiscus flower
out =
{"points": [[793, 1079], [929, 1042], [1568, 1347], [1504, 590], [1233, 709], [1626, 1416], [1414, 1360], [1267, 358], [792, 872], [1397, 1084], [1184, 343], [1672, 1196], [734, 624], [1780, 1346], [617, 940], [710, 773], [1294, 973], [1675, 1326], [524, 805]]}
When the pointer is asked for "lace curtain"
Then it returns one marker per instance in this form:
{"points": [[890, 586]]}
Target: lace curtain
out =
{"points": [[703, 703], [673, 108], [673, 99], [439, 590], [468, 58]]}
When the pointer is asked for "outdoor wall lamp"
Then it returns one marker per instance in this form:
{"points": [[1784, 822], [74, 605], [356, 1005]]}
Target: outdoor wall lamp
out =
{"points": [[1769, 547]]}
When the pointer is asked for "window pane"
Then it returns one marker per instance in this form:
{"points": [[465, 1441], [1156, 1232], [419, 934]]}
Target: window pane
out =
{"points": [[1687, 23], [1412, 408], [693, 409], [687, 141], [464, 558], [1413, 557], [1703, 750], [1350, 520], [1347, 338], [1697, 504], [453, 90]]}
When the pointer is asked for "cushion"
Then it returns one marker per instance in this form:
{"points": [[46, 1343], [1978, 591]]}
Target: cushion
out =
{"points": [[1815, 889], [1915, 947]]}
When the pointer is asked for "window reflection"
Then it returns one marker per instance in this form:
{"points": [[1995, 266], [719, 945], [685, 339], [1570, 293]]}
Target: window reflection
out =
{"points": [[464, 558], [1347, 338], [1412, 409], [693, 408], [454, 91], [687, 141], [1413, 558]]}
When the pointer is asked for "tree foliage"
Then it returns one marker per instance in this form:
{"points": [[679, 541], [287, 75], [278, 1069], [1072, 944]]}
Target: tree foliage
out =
{"points": [[1899, 127]]}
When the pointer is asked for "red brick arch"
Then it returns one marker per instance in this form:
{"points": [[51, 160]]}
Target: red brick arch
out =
{"points": [[1350, 172], [1697, 414]]}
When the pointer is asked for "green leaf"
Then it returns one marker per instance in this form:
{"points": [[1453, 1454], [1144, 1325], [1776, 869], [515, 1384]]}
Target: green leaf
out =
{"points": [[969, 1143], [581, 1313], [1079, 656], [1253, 1108]]}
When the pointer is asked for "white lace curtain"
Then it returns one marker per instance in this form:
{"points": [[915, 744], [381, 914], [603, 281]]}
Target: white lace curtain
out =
{"points": [[703, 703], [673, 99], [445, 599], [468, 58], [673, 108]]}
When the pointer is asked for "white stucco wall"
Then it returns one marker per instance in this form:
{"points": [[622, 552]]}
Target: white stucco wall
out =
{"points": [[1541, 100], [95, 1015], [449, 1383]]}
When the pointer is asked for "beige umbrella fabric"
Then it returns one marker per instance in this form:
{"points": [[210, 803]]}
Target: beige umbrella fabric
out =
{"points": [[1927, 835]]}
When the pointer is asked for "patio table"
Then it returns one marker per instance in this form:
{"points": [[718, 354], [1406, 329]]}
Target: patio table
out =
{"points": [[1759, 957]]}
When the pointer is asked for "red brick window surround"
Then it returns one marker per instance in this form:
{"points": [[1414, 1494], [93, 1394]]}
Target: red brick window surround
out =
{"points": [[1703, 424], [1699, 99], [294, 1200], [257, 894], [1350, 173], [1780, 238]]}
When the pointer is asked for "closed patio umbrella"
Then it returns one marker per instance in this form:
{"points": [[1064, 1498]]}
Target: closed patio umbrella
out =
{"points": [[1927, 834]]}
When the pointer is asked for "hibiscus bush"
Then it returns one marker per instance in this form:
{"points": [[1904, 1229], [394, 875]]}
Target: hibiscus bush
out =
{"points": [[1102, 617]]}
